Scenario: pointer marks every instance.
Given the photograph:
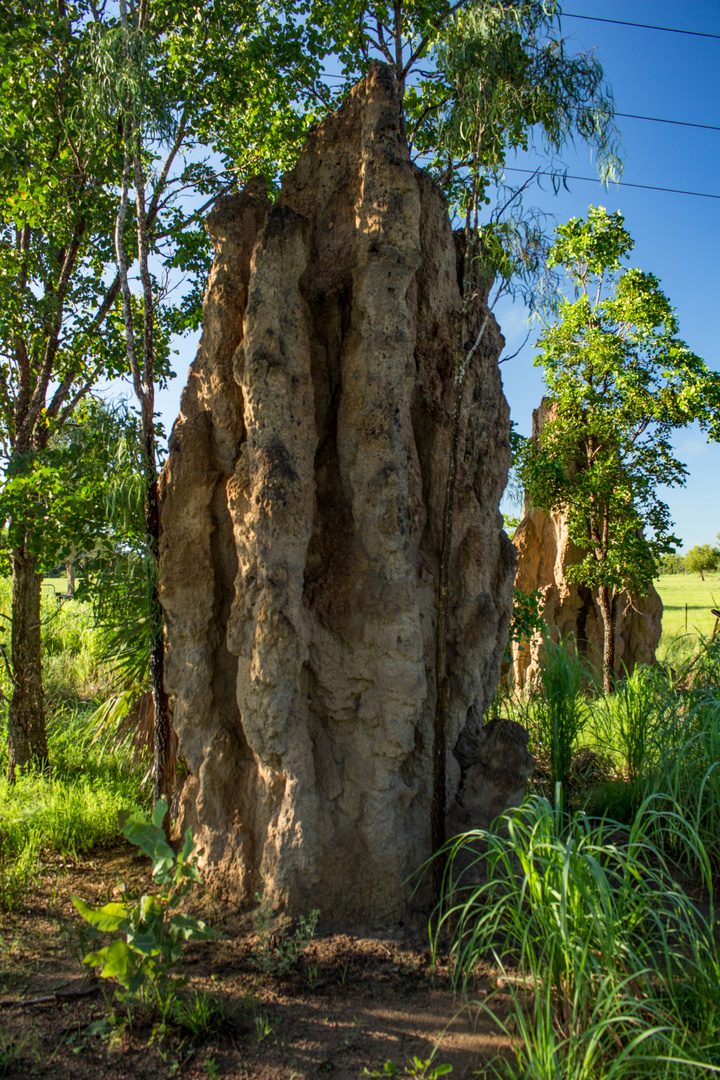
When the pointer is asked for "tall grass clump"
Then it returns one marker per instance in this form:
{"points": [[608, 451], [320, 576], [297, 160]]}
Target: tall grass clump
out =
{"points": [[630, 723], [686, 773], [558, 710], [613, 972]]}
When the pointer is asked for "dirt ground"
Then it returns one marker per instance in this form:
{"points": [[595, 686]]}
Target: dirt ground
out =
{"points": [[352, 1001]]}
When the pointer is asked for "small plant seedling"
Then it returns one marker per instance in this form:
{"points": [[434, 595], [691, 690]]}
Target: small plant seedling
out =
{"points": [[417, 1069], [343, 973], [263, 1028], [212, 1072], [279, 947], [149, 933], [12, 1050], [312, 976], [202, 1013], [350, 1039]]}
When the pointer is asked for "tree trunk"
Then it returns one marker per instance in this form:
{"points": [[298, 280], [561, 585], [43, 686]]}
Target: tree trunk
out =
{"points": [[164, 768], [70, 574], [26, 717], [607, 611]]}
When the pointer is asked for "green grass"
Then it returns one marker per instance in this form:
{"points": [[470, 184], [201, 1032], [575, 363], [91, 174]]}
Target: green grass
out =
{"points": [[70, 811], [75, 807], [612, 971], [677, 590]]}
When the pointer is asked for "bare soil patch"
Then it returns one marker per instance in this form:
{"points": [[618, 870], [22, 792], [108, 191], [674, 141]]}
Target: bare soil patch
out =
{"points": [[353, 1001]]}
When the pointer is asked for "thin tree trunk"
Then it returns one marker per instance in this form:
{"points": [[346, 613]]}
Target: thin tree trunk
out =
{"points": [[163, 764], [26, 716], [70, 574], [607, 611]]}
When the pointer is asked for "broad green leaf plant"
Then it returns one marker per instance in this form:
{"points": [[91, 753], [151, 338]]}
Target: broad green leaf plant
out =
{"points": [[145, 954]]}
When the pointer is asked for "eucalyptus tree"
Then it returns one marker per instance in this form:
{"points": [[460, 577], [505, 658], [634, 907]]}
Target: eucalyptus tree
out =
{"points": [[55, 299], [77, 90], [620, 381]]}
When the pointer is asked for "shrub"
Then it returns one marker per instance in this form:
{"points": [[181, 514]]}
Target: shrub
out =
{"points": [[145, 954], [558, 709]]}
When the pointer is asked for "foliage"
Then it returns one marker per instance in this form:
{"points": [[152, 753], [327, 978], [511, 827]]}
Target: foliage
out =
{"points": [[671, 564], [558, 708], [620, 381], [685, 770], [12, 1051], [510, 524], [18, 869], [480, 79], [77, 86], [279, 944], [154, 930], [702, 559], [69, 811], [631, 721], [614, 969], [526, 619], [416, 1069], [201, 1013]]}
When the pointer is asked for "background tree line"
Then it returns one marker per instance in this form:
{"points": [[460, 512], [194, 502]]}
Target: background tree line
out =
{"points": [[701, 559]]}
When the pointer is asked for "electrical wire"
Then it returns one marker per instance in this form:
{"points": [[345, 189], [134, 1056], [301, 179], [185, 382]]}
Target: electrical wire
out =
{"points": [[642, 26], [660, 120], [595, 180], [627, 115]]}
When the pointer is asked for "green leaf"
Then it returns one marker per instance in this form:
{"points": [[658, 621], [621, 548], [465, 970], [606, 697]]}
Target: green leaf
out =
{"points": [[107, 918], [159, 812]]}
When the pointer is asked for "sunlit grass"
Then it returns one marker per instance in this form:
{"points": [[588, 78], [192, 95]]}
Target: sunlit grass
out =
{"points": [[74, 807], [678, 590], [612, 970]]}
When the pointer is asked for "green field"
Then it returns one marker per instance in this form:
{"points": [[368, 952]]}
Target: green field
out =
{"points": [[679, 591]]}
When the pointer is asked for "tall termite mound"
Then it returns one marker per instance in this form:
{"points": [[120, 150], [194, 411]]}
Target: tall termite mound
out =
{"points": [[302, 506], [545, 553]]}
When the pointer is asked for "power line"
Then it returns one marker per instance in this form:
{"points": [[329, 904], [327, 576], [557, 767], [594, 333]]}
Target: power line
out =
{"points": [[628, 115], [645, 187], [642, 26], [660, 120]]}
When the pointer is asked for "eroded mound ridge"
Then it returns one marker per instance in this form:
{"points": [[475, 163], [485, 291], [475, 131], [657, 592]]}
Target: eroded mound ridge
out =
{"points": [[302, 506]]}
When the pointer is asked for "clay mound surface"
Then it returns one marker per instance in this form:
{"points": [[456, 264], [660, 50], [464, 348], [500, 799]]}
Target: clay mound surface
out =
{"points": [[302, 506]]}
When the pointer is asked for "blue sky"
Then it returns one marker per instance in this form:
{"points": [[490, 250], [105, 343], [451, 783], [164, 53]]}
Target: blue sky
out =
{"points": [[677, 237]]}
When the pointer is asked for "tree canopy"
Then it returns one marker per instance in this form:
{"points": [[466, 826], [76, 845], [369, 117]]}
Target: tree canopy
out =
{"points": [[620, 380], [482, 78], [702, 559]]}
